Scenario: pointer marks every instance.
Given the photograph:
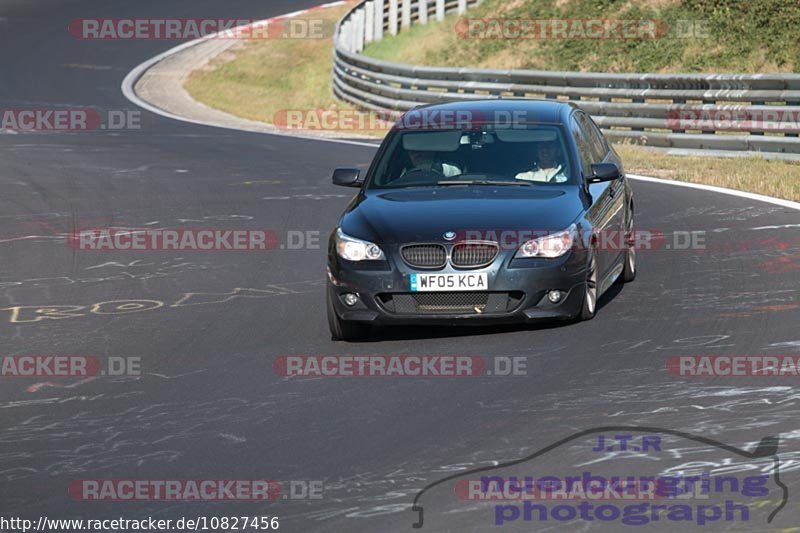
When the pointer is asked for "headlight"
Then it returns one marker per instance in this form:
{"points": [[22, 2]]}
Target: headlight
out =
{"points": [[550, 246], [354, 249]]}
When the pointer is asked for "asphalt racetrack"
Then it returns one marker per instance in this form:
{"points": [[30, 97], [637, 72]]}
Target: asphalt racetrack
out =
{"points": [[208, 326]]}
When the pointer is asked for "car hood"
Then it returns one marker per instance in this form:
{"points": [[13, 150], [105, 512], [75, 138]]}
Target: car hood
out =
{"points": [[425, 214]]}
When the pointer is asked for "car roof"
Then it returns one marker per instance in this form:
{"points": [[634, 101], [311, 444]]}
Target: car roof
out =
{"points": [[535, 110]]}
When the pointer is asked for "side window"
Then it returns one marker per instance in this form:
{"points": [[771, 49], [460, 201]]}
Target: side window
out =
{"points": [[584, 146], [596, 139]]}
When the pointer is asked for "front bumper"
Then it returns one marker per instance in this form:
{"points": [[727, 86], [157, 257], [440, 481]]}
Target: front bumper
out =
{"points": [[516, 293]]}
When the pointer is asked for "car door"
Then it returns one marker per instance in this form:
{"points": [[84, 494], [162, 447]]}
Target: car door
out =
{"points": [[602, 213], [616, 189]]}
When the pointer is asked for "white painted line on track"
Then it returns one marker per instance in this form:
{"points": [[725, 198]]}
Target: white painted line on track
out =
{"points": [[720, 190]]}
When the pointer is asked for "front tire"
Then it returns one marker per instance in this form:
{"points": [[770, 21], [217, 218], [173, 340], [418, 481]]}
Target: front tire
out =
{"points": [[343, 330], [589, 307], [629, 260]]}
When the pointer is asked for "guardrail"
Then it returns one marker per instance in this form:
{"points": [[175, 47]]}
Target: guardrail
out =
{"points": [[728, 112]]}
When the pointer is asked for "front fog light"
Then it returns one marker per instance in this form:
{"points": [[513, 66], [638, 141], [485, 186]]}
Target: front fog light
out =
{"points": [[350, 299], [554, 296]]}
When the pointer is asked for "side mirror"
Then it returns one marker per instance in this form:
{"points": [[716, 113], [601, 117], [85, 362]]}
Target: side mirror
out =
{"points": [[346, 177], [603, 172]]}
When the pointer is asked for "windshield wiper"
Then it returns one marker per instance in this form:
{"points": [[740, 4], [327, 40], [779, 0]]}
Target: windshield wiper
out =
{"points": [[482, 182]]}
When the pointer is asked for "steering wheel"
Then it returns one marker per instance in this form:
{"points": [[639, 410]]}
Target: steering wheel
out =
{"points": [[413, 170]]}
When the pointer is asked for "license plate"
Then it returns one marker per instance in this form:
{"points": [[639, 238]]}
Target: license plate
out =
{"points": [[449, 282]]}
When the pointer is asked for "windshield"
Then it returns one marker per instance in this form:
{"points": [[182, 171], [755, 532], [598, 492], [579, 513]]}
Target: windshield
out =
{"points": [[535, 155]]}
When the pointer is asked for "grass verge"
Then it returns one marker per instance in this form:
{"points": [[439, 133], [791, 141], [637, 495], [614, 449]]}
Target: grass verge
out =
{"points": [[770, 177], [263, 79]]}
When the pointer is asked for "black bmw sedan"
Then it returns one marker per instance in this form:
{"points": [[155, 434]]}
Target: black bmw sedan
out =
{"points": [[490, 211]]}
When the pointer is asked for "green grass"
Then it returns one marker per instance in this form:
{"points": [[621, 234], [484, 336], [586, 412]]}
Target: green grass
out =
{"points": [[770, 177], [262, 79], [730, 36]]}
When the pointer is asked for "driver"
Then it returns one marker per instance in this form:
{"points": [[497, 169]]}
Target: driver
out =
{"points": [[422, 160], [548, 167]]}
